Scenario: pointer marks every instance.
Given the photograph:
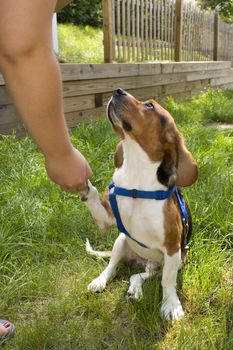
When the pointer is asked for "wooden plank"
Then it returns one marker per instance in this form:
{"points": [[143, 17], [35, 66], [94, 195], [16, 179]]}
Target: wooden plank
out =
{"points": [[173, 31], [2, 82], [178, 36], [155, 30], [207, 74], [123, 23], [159, 31], [103, 85], [5, 98], [119, 30], [97, 71], [79, 103], [181, 87], [146, 30], [165, 30], [142, 94], [129, 44], [142, 31], [74, 118], [224, 87], [84, 87], [169, 29], [162, 30], [151, 30], [73, 72], [222, 81], [138, 30], [176, 67], [10, 121], [216, 35], [108, 31], [133, 30]]}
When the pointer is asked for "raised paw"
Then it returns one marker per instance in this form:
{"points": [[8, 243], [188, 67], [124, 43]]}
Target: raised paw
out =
{"points": [[172, 309], [134, 292], [97, 285]]}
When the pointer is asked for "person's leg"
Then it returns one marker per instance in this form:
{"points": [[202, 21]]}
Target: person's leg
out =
{"points": [[32, 75]]}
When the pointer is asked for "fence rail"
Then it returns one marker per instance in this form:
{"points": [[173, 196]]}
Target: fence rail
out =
{"points": [[164, 30]]}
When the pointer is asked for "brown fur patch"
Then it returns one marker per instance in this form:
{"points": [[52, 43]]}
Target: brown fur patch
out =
{"points": [[118, 156], [172, 226], [105, 203]]}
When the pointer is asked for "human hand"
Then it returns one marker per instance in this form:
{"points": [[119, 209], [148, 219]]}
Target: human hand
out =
{"points": [[70, 171]]}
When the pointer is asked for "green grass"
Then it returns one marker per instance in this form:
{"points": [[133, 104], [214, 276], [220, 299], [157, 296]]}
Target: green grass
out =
{"points": [[44, 270], [80, 44]]}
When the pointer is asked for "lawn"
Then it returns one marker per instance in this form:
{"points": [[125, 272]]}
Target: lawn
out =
{"points": [[45, 270], [80, 44]]}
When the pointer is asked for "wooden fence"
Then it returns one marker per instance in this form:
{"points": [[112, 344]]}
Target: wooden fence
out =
{"points": [[164, 30], [87, 87]]}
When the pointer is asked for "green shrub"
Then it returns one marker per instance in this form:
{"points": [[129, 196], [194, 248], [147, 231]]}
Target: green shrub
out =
{"points": [[82, 12]]}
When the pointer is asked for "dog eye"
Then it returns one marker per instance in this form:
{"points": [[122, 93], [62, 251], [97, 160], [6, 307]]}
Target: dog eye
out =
{"points": [[149, 105]]}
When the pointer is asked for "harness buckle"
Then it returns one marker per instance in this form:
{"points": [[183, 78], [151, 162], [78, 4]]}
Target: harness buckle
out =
{"points": [[134, 193]]}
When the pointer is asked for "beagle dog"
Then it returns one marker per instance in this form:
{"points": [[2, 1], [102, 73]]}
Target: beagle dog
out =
{"points": [[151, 163]]}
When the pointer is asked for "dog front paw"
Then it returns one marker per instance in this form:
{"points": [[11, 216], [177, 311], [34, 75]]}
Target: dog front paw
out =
{"points": [[97, 285], [134, 292], [172, 309], [90, 193]]}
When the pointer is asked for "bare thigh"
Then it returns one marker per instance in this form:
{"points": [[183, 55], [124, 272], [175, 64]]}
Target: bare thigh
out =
{"points": [[24, 23]]}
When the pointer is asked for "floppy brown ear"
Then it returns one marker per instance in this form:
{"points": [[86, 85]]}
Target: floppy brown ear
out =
{"points": [[187, 172], [186, 167]]}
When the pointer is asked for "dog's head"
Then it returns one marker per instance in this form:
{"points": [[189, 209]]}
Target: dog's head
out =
{"points": [[154, 129]]}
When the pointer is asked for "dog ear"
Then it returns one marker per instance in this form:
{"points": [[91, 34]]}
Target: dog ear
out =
{"points": [[119, 156], [166, 172], [186, 171]]}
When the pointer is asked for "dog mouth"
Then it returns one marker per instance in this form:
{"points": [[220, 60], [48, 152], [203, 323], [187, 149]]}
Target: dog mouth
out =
{"points": [[116, 105], [113, 112]]}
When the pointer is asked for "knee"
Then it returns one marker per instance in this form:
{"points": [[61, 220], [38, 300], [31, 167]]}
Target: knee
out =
{"points": [[15, 49], [11, 52]]}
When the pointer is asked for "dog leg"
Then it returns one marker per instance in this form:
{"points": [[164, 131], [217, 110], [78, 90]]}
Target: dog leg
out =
{"points": [[119, 251], [136, 281], [92, 200], [171, 306]]}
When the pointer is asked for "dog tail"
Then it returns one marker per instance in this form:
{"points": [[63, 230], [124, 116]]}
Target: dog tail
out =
{"points": [[89, 250]]}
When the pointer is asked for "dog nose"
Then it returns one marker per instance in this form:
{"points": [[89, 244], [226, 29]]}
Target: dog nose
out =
{"points": [[119, 92]]}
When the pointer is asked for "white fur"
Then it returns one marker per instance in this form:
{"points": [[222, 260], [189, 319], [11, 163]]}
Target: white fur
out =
{"points": [[144, 220]]}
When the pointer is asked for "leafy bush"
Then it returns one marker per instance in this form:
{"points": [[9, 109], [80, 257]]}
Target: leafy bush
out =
{"points": [[82, 12]]}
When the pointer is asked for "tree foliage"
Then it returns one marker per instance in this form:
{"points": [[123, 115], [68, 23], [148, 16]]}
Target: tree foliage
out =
{"points": [[225, 8], [82, 12]]}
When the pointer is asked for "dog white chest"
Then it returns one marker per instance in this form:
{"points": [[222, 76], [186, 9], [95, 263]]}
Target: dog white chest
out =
{"points": [[142, 218]]}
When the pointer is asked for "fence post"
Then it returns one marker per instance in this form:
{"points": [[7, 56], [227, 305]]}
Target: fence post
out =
{"points": [[216, 31], [178, 26], [108, 31]]}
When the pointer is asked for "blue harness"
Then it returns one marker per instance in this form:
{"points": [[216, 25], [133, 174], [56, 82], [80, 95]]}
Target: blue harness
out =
{"points": [[158, 195]]}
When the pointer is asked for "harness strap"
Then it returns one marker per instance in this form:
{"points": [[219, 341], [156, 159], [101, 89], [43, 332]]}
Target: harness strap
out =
{"points": [[184, 218], [158, 195], [120, 226]]}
